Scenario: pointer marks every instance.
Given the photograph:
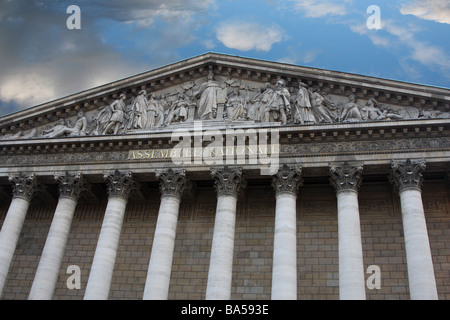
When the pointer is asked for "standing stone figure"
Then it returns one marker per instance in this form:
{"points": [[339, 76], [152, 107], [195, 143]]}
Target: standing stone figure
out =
{"points": [[303, 109], [118, 115], [279, 106], [155, 112], [259, 102], [207, 105], [139, 118], [320, 107]]}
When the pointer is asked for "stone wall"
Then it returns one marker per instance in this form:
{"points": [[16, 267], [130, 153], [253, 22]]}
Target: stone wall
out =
{"points": [[317, 244]]}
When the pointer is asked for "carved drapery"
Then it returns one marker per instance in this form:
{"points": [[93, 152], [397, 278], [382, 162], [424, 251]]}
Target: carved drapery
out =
{"points": [[287, 179], [24, 186], [70, 185], [119, 184], [408, 174], [228, 181], [172, 182], [346, 177]]}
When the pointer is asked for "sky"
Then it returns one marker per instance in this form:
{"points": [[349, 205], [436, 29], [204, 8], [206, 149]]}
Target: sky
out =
{"points": [[44, 58]]}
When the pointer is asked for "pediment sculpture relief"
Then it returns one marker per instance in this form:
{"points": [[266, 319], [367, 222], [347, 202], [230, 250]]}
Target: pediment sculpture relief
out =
{"points": [[301, 105]]}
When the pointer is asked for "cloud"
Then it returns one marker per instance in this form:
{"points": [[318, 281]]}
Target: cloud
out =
{"points": [[434, 10], [317, 9], [247, 36], [41, 60], [394, 37]]}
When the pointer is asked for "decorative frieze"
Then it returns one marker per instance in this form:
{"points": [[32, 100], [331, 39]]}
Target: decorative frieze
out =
{"points": [[287, 179], [346, 177], [172, 182], [408, 174], [228, 181], [70, 185], [119, 184], [24, 186]]}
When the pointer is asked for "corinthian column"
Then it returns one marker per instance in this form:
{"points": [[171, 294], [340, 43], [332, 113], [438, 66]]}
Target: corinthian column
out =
{"points": [[346, 180], [407, 178], [172, 185], [23, 190], [99, 282], [70, 187], [227, 184], [284, 274]]}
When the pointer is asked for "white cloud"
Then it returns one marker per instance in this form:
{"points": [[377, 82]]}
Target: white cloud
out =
{"points": [[434, 10], [316, 9], [41, 60], [247, 36], [394, 36]]}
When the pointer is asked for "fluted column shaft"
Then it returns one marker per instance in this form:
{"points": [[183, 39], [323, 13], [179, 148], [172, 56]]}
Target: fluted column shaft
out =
{"points": [[23, 190], [99, 282], [70, 187], [284, 273], [346, 180], [408, 179], [172, 185], [228, 184]]}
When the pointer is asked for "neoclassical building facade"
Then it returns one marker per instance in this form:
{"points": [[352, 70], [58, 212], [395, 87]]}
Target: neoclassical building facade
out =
{"points": [[222, 177]]}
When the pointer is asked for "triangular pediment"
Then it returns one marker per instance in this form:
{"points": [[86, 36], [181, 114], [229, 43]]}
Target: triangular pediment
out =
{"points": [[224, 89]]}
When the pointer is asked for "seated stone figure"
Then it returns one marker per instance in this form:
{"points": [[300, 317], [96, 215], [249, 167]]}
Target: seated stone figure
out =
{"points": [[351, 111]]}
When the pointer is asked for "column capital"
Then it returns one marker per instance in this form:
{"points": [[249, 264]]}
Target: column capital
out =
{"points": [[408, 174], [346, 177], [70, 185], [287, 179], [24, 186], [228, 181], [119, 184], [172, 182]]}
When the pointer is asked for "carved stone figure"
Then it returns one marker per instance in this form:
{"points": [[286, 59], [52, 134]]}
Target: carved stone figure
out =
{"points": [[279, 106], [117, 119], [155, 113], [351, 111], [321, 106], [207, 94], [236, 107], [59, 130], [372, 111], [302, 104], [138, 116], [259, 103], [178, 111]]}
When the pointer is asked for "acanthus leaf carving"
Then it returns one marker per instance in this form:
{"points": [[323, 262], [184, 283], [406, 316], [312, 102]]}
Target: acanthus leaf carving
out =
{"points": [[346, 177], [70, 185], [172, 182], [228, 181], [24, 186], [119, 184], [287, 179], [408, 174]]}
